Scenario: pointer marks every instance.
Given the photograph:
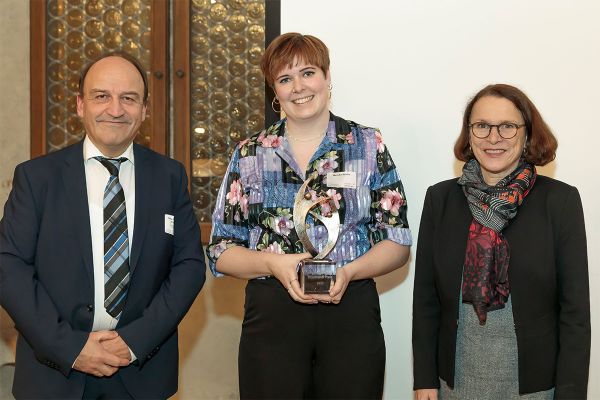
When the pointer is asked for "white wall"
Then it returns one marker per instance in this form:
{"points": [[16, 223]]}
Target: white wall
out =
{"points": [[409, 67]]}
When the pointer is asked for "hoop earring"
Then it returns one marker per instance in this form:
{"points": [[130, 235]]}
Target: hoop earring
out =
{"points": [[273, 102]]}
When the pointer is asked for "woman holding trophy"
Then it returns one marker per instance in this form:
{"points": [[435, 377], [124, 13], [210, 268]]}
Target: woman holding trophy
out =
{"points": [[310, 210]]}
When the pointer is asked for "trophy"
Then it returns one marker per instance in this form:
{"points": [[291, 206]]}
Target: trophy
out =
{"points": [[317, 273]]}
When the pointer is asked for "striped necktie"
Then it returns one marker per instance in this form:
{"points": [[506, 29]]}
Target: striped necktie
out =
{"points": [[116, 241]]}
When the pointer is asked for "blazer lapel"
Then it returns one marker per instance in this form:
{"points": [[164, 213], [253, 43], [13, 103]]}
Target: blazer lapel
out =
{"points": [[73, 176], [143, 186]]}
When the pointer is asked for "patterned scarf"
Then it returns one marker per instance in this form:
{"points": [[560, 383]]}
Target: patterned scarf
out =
{"points": [[485, 273]]}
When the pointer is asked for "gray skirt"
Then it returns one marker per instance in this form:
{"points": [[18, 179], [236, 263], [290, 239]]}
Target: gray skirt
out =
{"points": [[486, 359]]}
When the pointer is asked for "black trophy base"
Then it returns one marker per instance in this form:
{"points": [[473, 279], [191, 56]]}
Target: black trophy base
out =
{"points": [[316, 276]]}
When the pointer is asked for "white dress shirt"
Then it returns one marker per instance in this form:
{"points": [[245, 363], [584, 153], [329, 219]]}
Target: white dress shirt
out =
{"points": [[96, 177]]}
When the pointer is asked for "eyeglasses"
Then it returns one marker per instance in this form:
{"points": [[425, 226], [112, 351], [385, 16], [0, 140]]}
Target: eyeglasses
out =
{"points": [[506, 130]]}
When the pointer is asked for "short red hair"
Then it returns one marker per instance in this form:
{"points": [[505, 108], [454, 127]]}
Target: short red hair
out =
{"points": [[284, 49]]}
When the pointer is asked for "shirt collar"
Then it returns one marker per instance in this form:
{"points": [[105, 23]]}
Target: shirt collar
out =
{"points": [[91, 151]]}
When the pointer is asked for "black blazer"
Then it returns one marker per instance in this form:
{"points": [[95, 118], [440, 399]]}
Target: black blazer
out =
{"points": [[46, 273], [548, 280]]}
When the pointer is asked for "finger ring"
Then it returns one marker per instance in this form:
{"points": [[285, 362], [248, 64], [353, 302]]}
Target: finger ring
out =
{"points": [[293, 281]]}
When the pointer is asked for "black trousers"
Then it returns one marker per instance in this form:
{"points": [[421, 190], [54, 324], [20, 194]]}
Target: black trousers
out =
{"points": [[106, 388], [290, 350]]}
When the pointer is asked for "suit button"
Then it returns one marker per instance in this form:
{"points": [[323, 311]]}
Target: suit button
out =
{"points": [[90, 307]]}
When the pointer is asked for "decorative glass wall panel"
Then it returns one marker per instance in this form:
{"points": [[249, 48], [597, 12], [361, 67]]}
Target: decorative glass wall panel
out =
{"points": [[227, 89], [78, 31]]}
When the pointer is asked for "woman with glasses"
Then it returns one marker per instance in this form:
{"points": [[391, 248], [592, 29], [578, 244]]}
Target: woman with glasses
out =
{"points": [[501, 296], [296, 344]]}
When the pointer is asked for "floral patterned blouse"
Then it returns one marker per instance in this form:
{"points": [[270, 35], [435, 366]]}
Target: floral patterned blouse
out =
{"points": [[255, 203]]}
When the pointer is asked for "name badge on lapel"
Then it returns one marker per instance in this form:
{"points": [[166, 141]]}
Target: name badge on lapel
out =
{"points": [[169, 224], [346, 179]]}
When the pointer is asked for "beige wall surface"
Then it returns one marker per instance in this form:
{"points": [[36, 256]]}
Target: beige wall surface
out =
{"points": [[14, 134], [14, 86]]}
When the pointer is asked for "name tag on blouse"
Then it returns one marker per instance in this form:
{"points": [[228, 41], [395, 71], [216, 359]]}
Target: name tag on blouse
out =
{"points": [[345, 180]]}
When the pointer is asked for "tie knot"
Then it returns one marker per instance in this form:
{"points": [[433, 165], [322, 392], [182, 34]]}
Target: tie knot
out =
{"points": [[111, 164]]}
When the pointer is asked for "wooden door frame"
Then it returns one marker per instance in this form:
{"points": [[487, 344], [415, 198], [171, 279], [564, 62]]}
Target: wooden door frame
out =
{"points": [[157, 81], [37, 76], [181, 84]]}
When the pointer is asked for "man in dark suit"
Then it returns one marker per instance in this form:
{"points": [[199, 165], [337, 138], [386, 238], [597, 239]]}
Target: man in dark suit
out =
{"points": [[100, 254]]}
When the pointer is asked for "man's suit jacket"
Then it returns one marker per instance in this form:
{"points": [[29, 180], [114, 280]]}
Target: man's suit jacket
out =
{"points": [[548, 281], [46, 273]]}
